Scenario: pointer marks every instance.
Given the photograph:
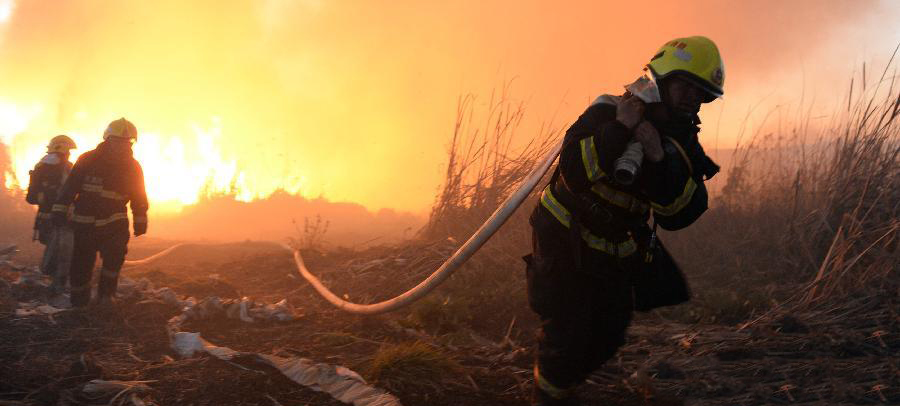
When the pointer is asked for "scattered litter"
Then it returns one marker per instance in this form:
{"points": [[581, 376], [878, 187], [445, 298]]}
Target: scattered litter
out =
{"points": [[123, 392], [338, 381], [31, 276], [36, 309], [7, 252]]}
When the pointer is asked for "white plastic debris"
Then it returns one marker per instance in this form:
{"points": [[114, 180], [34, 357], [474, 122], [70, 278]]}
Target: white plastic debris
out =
{"points": [[7, 252], [98, 386], [36, 309], [340, 382], [243, 312], [187, 344], [123, 392], [168, 296], [31, 277]]}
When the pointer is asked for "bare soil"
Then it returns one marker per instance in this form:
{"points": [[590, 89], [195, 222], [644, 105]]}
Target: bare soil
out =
{"points": [[846, 354]]}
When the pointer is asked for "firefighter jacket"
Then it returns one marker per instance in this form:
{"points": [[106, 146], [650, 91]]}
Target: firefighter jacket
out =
{"points": [[611, 217], [101, 183], [44, 185], [584, 204]]}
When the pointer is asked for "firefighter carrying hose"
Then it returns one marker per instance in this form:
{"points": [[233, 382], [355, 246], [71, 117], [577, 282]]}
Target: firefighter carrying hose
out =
{"points": [[101, 183], [595, 258], [44, 185]]}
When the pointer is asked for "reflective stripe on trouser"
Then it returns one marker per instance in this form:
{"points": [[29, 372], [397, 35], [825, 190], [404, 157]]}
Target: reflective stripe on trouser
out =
{"points": [[109, 280], [548, 387], [112, 247], [584, 315]]}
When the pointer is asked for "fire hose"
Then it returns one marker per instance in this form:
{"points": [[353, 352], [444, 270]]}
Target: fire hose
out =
{"points": [[462, 254]]}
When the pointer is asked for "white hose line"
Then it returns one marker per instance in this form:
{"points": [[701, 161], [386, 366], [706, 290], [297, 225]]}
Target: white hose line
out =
{"points": [[469, 248], [458, 258], [156, 256]]}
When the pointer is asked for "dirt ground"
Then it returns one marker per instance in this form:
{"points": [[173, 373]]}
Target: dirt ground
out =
{"points": [[847, 354]]}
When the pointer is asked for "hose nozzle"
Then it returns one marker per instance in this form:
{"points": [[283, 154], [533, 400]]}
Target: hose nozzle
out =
{"points": [[628, 165]]}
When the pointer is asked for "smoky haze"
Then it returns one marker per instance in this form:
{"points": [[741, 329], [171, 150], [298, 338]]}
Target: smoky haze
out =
{"points": [[282, 216], [355, 101]]}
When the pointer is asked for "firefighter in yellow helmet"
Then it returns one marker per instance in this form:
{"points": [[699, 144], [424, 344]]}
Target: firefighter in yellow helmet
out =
{"points": [[44, 184], [100, 185], [595, 258]]}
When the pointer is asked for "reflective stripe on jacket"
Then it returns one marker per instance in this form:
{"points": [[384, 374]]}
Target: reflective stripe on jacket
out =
{"points": [[44, 185], [101, 184], [593, 143]]}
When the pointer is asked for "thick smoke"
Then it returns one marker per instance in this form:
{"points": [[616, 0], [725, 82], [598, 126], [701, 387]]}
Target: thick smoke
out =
{"points": [[355, 101]]}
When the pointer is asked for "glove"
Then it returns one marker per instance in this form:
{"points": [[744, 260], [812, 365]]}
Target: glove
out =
{"points": [[140, 229], [58, 218], [647, 135], [630, 111]]}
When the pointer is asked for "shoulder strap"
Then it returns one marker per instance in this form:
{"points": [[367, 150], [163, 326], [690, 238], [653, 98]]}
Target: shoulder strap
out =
{"points": [[684, 155]]}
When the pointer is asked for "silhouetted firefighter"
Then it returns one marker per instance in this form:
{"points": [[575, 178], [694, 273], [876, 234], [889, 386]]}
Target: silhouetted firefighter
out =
{"points": [[44, 185], [628, 160], [102, 182]]}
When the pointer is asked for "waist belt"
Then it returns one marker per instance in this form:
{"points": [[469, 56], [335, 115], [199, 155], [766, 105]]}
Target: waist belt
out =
{"points": [[564, 216], [620, 199]]}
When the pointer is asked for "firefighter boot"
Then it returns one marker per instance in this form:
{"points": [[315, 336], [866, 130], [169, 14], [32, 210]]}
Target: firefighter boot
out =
{"points": [[109, 281]]}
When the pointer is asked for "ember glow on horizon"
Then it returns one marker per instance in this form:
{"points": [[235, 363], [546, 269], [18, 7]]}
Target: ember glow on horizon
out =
{"points": [[355, 101]]}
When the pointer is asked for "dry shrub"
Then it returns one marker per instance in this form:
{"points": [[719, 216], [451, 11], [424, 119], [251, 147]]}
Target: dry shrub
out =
{"points": [[809, 214], [809, 211], [416, 365], [485, 167]]}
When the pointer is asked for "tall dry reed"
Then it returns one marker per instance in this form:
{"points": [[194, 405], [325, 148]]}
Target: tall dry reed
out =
{"points": [[809, 212]]}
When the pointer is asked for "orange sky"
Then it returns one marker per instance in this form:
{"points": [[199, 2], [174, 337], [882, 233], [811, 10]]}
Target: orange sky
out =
{"points": [[355, 100]]}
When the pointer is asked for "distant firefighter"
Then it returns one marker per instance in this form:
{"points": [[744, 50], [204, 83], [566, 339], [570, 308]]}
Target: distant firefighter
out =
{"points": [[627, 160], [101, 183], [44, 185]]}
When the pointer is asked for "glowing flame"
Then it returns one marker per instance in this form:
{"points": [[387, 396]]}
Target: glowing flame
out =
{"points": [[6, 9], [179, 168], [14, 119], [179, 171]]}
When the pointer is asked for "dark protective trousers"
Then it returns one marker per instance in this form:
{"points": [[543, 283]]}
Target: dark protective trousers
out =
{"points": [[57, 260], [585, 307], [112, 245]]}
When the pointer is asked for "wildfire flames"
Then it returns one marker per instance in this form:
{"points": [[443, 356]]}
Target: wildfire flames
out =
{"points": [[180, 168], [355, 101]]}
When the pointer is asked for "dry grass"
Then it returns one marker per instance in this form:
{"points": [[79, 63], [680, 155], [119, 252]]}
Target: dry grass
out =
{"points": [[412, 365], [809, 214], [807, 208], [484, 168]]}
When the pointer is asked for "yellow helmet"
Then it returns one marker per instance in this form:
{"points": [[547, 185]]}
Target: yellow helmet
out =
{"points": [[61, 144], [121, 128], [696, 58]]}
